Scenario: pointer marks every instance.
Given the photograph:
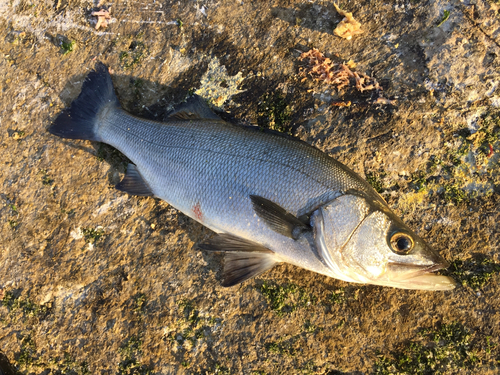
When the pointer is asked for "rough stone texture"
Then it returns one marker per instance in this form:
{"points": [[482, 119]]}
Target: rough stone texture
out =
{"points": [[96, 281]]}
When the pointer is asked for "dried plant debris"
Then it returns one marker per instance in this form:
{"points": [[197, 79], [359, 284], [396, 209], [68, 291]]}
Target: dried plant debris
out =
{"points": [[348, 27], [322, 69], [103, 16]]}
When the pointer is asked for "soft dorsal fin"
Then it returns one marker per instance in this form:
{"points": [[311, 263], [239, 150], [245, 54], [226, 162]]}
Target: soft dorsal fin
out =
{"points": [[277, 218], [243, 259], [194, 108], [133, 183]]}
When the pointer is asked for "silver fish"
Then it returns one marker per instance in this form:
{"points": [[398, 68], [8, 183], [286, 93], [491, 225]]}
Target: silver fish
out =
{"points": [[270, 198]]}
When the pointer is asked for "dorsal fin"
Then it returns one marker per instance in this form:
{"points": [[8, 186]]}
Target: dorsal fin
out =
{"points": [[194, 108], [133, 183]]}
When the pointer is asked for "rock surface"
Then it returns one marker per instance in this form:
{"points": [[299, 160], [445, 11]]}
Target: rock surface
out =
{"points": [[94, 281]]}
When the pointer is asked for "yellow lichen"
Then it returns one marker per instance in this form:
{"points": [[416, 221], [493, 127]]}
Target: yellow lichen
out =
{"points": [[217, 86], [409, 202]]}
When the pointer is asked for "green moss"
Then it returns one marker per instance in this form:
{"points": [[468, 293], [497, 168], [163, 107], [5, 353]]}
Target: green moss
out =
{"points": [[489, 133], [274, 113], [308, 367], [192, 327], [131, 347], [491, 120], [375, 180], [16, 305], [489, 346], [338, 297], [465, 146], [222, 370], [13, 224], [282, 347], [473, 273], [129, 352], [419, 181], [92, 236], [46, 180], [67, 365], [26, 357], [446, 350], [189, 311], [112, 156], [68, 46], [464, 169], [311, 327], [455, 194], [29, 356], [136, 53], [342, 296], [140, 301], [284, 299]]}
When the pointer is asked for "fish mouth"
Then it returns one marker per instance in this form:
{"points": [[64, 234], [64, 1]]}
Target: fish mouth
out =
{"points": [[410, 276], [436, 267], [416, 269]]}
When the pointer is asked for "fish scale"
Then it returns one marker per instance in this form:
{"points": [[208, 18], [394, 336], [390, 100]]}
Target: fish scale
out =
{"points": [[270, 197], [217, 166], [295, 175]]}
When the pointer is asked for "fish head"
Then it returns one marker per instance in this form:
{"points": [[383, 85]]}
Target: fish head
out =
{"points": [[362, 240]]}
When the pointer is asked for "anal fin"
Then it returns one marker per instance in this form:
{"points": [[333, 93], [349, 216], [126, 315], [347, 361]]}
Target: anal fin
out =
{"points": [[243, 259], [133, 183]]}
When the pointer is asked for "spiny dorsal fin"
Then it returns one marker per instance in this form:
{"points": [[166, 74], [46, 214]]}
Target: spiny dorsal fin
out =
{"points": [[133, 183], [243, 259], [194, 108], [277, 218]]}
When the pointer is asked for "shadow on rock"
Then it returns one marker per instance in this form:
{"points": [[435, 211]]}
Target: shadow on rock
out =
{"points": [[312, 16], [5, 367]]}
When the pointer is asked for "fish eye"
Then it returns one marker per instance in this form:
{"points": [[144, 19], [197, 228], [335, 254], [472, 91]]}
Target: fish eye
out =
{"points": [[401, 243]]}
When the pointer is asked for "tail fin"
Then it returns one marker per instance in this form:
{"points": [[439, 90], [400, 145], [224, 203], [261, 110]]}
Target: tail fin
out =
{"points": [[80, 120]]}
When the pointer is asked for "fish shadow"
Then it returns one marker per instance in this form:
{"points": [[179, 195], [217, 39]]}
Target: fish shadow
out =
{"points": [[322, 18]]}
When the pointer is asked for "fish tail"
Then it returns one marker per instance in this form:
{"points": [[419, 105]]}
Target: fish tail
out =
{"points": [[82, 119]]}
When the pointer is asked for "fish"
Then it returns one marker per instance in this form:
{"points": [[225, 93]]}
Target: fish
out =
{"points": [[269, 198]]}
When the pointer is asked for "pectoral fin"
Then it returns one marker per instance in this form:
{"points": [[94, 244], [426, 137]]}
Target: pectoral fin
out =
{"points": [[133, 183], [277, 218], [243, 259]]}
